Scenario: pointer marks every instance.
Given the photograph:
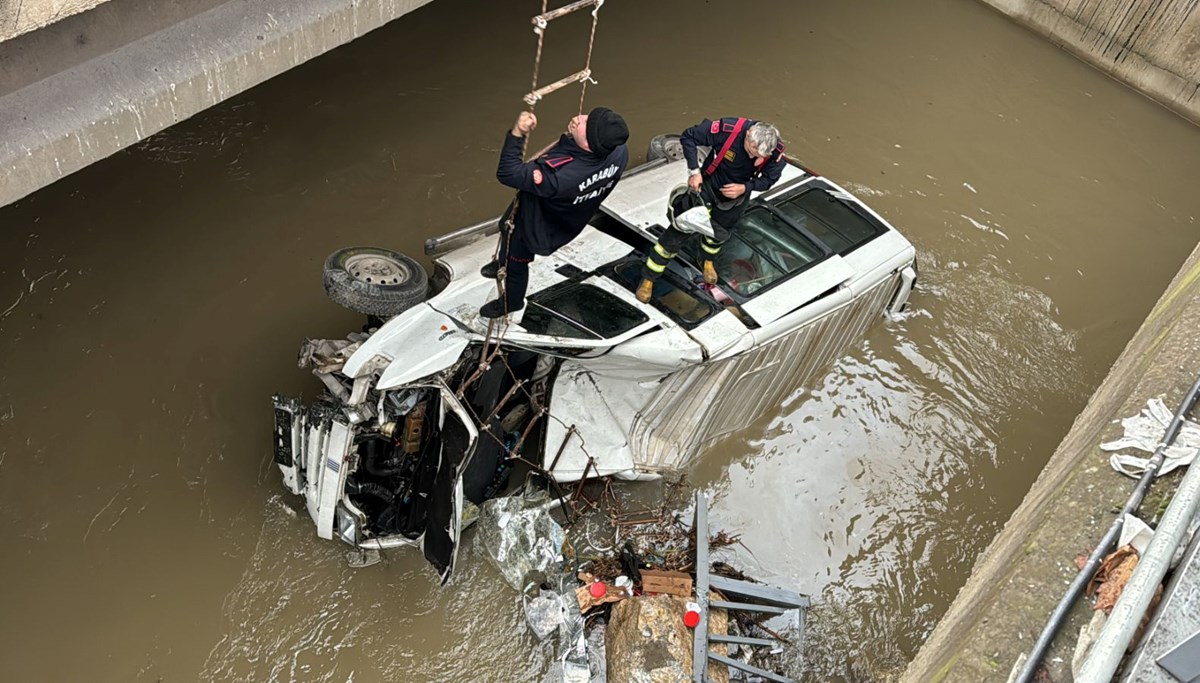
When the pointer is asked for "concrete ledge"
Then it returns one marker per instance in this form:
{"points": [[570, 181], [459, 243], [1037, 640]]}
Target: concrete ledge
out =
{"points": [[20, 16], [1025, 571], [1150, 45], [95, 83]]}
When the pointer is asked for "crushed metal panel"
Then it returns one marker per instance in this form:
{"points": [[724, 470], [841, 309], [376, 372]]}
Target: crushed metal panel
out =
{"points": [[647, 357], [667, 434], [423, 327], [600, 409], [722, 334]]}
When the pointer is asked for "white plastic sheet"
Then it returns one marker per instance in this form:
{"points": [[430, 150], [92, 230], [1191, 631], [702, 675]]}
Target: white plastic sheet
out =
{"points": [[525, 544], [1143, 432]]}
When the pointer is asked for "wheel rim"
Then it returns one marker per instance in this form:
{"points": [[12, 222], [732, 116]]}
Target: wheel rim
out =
{"points": [[374, 269]]}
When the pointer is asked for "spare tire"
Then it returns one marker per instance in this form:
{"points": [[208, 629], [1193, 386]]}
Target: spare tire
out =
{"points": [[374, 281], [665, 146]]}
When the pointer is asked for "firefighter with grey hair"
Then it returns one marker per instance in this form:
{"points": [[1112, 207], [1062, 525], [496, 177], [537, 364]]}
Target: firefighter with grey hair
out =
{"points": [[745, 156]]}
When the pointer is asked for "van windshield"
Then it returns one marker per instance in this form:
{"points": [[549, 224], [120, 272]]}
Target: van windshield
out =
{"points": [[579, 311]]}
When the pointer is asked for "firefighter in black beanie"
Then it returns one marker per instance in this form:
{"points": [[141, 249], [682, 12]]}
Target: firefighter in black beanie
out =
{"points": [[558, 193]]}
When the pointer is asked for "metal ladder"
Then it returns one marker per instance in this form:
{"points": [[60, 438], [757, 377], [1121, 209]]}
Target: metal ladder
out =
{"points": [[752, 597]]}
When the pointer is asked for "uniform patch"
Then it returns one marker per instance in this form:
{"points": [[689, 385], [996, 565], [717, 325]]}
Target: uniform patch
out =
{"points": [[730, 156], [728, 127], [716, 127], [556, 162], [537, 177]]}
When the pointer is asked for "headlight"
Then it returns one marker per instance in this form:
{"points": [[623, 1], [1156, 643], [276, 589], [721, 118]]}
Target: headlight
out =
{"points": [[347, 526]]}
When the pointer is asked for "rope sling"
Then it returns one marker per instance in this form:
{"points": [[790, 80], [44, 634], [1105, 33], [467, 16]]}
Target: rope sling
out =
{"points": [[498, 327]]}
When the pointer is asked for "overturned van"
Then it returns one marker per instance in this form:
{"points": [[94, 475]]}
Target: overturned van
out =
{"points": [[423, 415]]}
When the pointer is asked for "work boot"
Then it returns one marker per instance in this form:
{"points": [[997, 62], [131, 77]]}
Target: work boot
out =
{"points": [[495, 309], [490, 271], [644, 291], [710, 273]]}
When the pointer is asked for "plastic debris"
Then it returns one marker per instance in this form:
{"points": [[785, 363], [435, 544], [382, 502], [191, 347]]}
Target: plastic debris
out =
{"points": [[596, 653], [521, 538], [1136, 533], [544, 613], [571, 657], [1143, 432]]}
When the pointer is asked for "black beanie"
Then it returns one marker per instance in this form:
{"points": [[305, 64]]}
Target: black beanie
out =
{"points": [[606, 131]]}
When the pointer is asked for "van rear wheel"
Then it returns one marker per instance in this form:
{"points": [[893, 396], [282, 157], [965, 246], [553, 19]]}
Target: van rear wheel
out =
{"points": [[374, 281]]}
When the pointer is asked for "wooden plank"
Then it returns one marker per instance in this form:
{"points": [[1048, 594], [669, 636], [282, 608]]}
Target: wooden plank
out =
{"points": [[668, 582]]}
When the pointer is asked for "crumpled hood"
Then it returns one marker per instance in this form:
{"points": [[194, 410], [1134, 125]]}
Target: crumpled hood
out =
{"points": [[424, 340]]}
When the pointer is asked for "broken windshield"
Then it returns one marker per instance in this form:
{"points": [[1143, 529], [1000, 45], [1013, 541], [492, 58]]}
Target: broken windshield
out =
{"points": [[580, 311]]}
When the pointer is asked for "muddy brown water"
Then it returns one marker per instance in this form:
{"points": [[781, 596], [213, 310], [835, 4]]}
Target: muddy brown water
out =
{"points": [[152, 303]]}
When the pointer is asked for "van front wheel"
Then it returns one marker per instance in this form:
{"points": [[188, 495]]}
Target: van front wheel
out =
{"points": [[374, 281]]}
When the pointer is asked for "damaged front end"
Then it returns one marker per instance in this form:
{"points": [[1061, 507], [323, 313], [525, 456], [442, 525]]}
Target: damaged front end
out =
{"points": [[386, 459]]}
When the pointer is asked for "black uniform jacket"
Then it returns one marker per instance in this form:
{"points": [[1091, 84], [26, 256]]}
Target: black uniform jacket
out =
{"points": [[573, 183], [737, 166]]}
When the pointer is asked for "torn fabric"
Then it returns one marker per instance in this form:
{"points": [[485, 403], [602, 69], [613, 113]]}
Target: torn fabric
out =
{"points": [[1143, 432]]}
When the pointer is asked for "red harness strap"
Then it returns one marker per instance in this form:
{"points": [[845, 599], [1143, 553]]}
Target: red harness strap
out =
{"points": [[737, 128]]}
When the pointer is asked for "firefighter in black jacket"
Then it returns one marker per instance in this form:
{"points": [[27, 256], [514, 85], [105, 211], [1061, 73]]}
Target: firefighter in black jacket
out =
{"points": [[746, 156], [560, 191]]}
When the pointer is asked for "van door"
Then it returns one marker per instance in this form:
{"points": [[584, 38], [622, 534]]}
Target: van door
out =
{"points": [[443, 521]]}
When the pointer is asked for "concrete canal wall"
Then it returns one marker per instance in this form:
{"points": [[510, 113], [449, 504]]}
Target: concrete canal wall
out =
{"points": [[1151, 45], [1023, 574], [82, 79]]}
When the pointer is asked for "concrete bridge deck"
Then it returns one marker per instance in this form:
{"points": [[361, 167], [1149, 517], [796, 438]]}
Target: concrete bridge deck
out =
{"points": [[82, 79]]}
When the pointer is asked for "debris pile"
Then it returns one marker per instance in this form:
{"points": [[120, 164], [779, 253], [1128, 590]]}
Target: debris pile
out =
{"points": [[618, 587]]}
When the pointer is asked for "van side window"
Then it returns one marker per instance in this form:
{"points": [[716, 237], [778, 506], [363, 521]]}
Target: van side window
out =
{"points": [[836, 223], [764, 248]]}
